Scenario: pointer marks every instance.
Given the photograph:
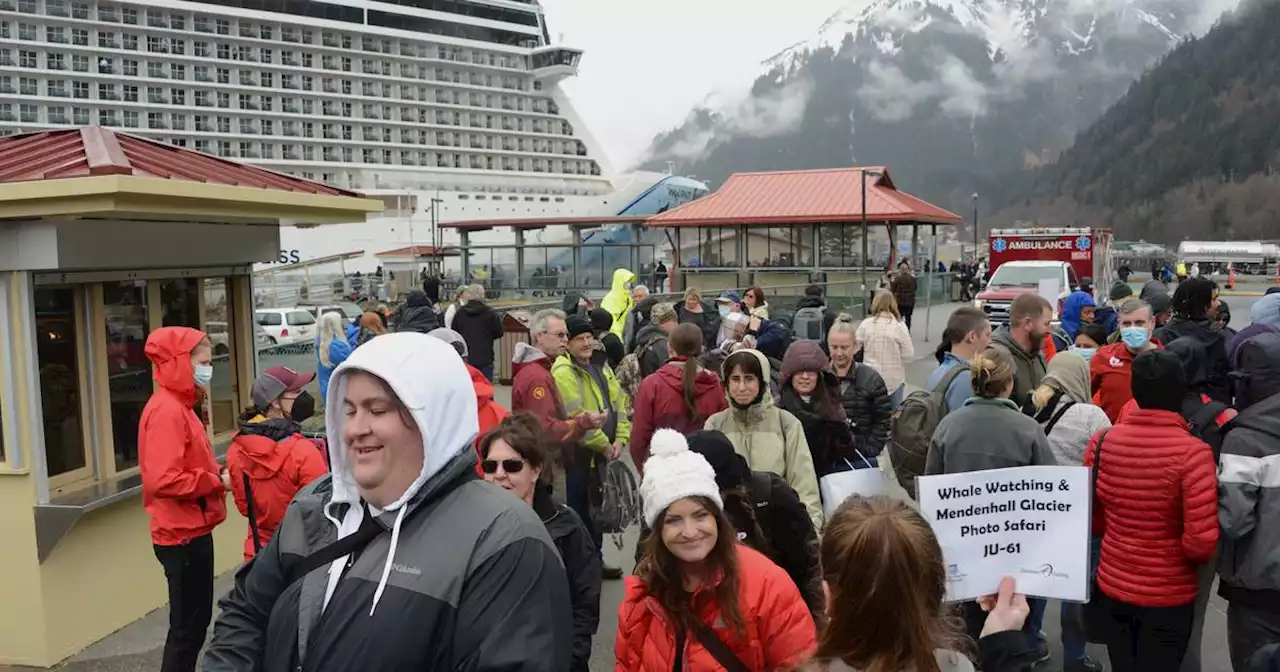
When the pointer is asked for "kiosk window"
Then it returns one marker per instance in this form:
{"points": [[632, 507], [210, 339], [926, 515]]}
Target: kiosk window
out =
{"points": [[58, 355], [128, 369]]}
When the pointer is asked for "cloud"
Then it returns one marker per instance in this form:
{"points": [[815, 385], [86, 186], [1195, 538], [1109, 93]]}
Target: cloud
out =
{"points": [[777, 112]]}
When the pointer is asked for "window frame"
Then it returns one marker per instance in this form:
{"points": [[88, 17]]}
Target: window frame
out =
{"points": [[71, 480]]}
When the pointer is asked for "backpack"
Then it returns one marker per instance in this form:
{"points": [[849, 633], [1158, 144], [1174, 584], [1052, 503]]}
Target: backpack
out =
{"points": [[628, 372], [807, 324], [619, 502], [911, 429], [1211, 422]]}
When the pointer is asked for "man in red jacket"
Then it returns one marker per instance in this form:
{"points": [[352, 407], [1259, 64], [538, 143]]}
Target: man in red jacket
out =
{"points": [[182, 489], [534, 390], [1156, 508], [1112, 365]]}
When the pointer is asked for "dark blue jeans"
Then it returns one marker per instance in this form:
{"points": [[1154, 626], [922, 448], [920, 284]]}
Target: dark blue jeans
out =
{"points": [[1035, 622], [577, 495], [1073, 639], [487, 371]]}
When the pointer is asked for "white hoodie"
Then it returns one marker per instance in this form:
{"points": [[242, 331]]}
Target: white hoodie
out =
{"points": [[430, 380]]}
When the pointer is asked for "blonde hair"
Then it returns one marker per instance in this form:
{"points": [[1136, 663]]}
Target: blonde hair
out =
{"points": [[694, 294], [331, 327], [1044, 394], [885, 302], [992, 371], [844, 324]]}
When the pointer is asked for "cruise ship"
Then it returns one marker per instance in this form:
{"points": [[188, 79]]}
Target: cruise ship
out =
{"points": [[448, 110]]}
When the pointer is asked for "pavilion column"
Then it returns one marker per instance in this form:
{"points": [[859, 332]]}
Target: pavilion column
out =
{"points": [[519, 238], [464, 242], [577, 256]]}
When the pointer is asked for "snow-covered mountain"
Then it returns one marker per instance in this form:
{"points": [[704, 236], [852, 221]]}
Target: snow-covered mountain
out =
{"points": [[956, 95]]}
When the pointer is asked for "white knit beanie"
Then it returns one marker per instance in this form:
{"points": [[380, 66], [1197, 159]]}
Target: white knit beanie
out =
{"points": [[674, 472]]}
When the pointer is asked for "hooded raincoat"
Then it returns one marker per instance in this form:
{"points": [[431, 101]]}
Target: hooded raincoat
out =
{"points": [[618, 301], [660, 404], [279, 462], [460, 575], [772, 440], [181, 489], [1075, 303]]}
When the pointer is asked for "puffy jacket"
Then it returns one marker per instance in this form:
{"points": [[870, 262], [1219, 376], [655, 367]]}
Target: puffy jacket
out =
{"points": [[490, 412], [279, 462], [660, 404], [779, 632], [1076, 302], [1249, 508], [1029, 367], [772, 338], [582, 567], [479, 326], [581, 393], [866, 404], [455, 574], [1156, 508], [1076, 425], [533, 390], [1216, 365], [339, 350], [772, 440], [181, 489], [1111, 378], [618, 301]]}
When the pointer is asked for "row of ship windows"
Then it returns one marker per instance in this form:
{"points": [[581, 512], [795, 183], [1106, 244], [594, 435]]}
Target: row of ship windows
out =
{"points": [[289, 60], [57, 114], [289, 34], [308, 8]]}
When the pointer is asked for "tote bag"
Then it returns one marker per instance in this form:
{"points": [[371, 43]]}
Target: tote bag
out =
{"points": [[841, 485]]}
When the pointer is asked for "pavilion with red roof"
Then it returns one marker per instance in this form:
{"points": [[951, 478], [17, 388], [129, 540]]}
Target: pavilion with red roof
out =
{"points": [[104, 239]]}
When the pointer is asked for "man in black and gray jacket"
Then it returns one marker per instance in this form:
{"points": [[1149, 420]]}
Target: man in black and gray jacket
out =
{"points": [[1249, 504], [401, 559]]}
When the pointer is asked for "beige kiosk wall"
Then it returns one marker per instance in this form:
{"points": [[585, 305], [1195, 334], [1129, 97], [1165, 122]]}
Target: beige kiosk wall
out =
{"points": [[103, 574]]}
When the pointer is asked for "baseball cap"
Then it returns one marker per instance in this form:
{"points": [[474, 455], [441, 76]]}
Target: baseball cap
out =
{"points": [[662, 312], [729, 297], [275, 381]]}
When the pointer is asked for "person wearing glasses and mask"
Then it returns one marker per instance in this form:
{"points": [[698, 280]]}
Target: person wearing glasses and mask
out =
{"points": [[270, 455], [512, 457]]}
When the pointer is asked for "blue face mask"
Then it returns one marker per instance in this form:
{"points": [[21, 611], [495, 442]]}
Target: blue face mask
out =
{"points": [[1087, 353], [1135, 338], [724, 311], [203, 375]]}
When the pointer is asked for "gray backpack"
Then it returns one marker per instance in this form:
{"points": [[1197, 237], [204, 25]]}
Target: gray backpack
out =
{"points": [[912, 426], [807, 324]]}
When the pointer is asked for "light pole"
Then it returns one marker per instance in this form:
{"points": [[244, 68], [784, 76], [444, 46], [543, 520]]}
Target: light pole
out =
{"points": [[866, 298], [975, 227]]}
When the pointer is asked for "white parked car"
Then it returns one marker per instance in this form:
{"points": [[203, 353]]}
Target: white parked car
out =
{"points": [[287, 325]]}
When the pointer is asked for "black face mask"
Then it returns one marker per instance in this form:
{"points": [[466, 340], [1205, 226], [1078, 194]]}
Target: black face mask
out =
{"points": [[303, 407]]}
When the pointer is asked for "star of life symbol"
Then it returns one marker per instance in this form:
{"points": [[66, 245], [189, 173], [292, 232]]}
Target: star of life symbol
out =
{"points": [[999, 244], [1083, 243]]}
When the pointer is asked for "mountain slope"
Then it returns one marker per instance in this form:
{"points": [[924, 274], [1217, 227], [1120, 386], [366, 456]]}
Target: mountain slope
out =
{"points": [[955, 95], [1191, 149]]}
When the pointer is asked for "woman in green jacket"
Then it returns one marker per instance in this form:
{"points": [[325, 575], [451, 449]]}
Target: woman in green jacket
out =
{"points": [[770, 438]]}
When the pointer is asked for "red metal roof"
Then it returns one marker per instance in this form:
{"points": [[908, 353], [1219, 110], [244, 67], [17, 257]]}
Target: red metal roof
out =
{"points": [[419, 251], [529, 223], [93, 150], [805, 197]]}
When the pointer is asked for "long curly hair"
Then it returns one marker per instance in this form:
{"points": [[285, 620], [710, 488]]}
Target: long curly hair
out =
{"points": [[663, 574]]}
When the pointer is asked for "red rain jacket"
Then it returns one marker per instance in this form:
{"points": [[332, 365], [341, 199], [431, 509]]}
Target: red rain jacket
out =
{"points": [[660, 404], [1110, 376], [1156, 508], [280, 462], [491, 412], [181, 488], [779, 630]]}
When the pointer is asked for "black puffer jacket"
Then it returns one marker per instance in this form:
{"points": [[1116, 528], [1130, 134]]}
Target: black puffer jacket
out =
{"points": [[582, 564], [479, 325], [1216, 366], [708, 321], [866, 405]]}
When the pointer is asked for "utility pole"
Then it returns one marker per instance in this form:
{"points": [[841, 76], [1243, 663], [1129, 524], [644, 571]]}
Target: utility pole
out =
{"points": [[975, 227]]}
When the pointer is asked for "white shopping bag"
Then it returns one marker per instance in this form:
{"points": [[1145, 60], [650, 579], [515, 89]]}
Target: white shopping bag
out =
{"points": [[837, 487]]}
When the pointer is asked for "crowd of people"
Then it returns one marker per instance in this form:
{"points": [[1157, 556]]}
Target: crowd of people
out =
{"points": [[391, 544]]}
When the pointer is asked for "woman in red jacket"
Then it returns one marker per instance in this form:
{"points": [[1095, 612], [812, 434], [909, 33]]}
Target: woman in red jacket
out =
{"points": [[680, 395], [699, 599], [270, 454], [1156, 507], [182, 489]]}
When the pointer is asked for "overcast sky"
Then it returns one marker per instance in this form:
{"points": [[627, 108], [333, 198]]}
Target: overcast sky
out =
{"points": [[648, 62]]}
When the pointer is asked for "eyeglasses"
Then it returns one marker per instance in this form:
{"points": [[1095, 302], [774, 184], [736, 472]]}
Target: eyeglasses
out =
{"points": [[509, 466], [558, 335]]}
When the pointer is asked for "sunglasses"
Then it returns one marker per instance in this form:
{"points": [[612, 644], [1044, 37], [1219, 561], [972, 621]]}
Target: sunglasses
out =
{"points": [[509, 466]]}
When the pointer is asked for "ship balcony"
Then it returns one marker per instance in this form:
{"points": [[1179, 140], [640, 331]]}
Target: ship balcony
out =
{"points": [[552, 64]]}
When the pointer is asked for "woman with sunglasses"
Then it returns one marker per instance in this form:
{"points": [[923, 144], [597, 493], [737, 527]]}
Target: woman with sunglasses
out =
{"points": [[512, 457]]}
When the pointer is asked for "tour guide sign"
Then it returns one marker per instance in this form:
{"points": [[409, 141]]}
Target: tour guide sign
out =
{"points": [[1031, 523]]}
